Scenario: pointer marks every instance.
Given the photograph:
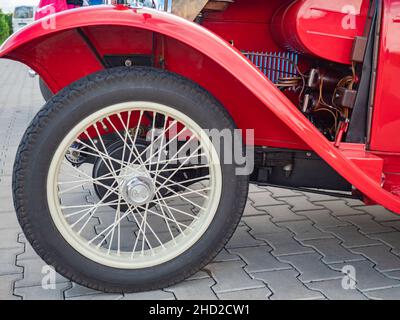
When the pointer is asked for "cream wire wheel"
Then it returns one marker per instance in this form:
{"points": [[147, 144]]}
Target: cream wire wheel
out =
{"points": [[117, 185], [152, 217]]}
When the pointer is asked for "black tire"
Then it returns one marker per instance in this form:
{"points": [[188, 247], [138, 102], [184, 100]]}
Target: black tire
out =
{"points": [[44, 89], [57, 118]]}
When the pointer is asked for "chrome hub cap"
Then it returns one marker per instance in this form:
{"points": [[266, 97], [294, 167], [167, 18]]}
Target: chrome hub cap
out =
{"points": [[138, 190]]}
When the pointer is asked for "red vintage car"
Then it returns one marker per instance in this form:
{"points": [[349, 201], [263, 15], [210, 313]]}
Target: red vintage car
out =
{"points": [[118, 182]]}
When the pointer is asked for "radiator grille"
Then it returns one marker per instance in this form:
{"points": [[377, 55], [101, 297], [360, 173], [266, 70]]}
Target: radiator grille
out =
{"points": [[275, 65]]}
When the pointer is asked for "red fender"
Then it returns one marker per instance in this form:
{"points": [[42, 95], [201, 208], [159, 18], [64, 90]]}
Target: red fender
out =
{"points": [[227, 58]]}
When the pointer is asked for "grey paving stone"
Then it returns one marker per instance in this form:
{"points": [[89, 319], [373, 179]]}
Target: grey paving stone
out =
{"points": [[149, 295], [382, 257], [340, 208], [384, 294], [314, 197], [390, 225], [6, 205], [261, 225], [264, 199], [224, 256], [28, 252], [379, 213], [201, 275], [283, 243], [251, 294], [305, 230], [253, 188], [99, 296], [332, 251], [301, 204], [38, 293], [76, 290], [33, 273], [282, 213], [279, 192], [366, 224], [367, 277], [242, 238], [393, 274], [323, 218], [285, 286], [194, 290], [230, 276], [7, 286], [333, 290], [8, 258], [259, 259], [9, 239], [311, 267], [351, 237], [250, 210], [392, 239], [9, 221]]}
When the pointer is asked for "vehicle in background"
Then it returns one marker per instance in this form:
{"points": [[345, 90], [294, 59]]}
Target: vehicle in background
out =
{"points": [[22, 16]]}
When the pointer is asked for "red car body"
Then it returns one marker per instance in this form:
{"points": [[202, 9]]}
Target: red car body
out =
{"points": [[211, 55]]}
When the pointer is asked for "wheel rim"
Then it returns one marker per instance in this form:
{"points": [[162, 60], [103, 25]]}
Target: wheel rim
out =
{"points": [[153, 216]]}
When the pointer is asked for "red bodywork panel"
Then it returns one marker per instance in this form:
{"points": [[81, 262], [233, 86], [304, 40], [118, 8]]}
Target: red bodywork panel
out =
{"points": [[202, 56], [326, 29]]}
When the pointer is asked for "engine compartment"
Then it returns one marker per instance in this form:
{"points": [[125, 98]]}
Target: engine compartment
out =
{"points": [[312, 50]]}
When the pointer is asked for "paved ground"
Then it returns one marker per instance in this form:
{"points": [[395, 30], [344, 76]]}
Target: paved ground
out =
{"points": [[289, 245]]}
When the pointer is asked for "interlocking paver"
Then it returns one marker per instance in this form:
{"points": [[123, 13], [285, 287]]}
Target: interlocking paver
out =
{"points": [[33, 275], [282, 213], [339, 208], [99, 296], [285, 285], [351, 237], [332, 251], [261, 225], [259, 259], [305, 230], [392, 239], [225, 256], [283, 243], [333, 289], [366, 277], [38, 293], [264, 199], [194, 290], [149, 295], [366, 224], [8, 220], [7, 286], [301, 204], [380, 213], [384, 294], [311, 267], [8, 258], [323, 218], [382, 257], [242, 238], [8, 239], [251, 294], [250, 210], [279, 193], [230, 276], [76, 290]]}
